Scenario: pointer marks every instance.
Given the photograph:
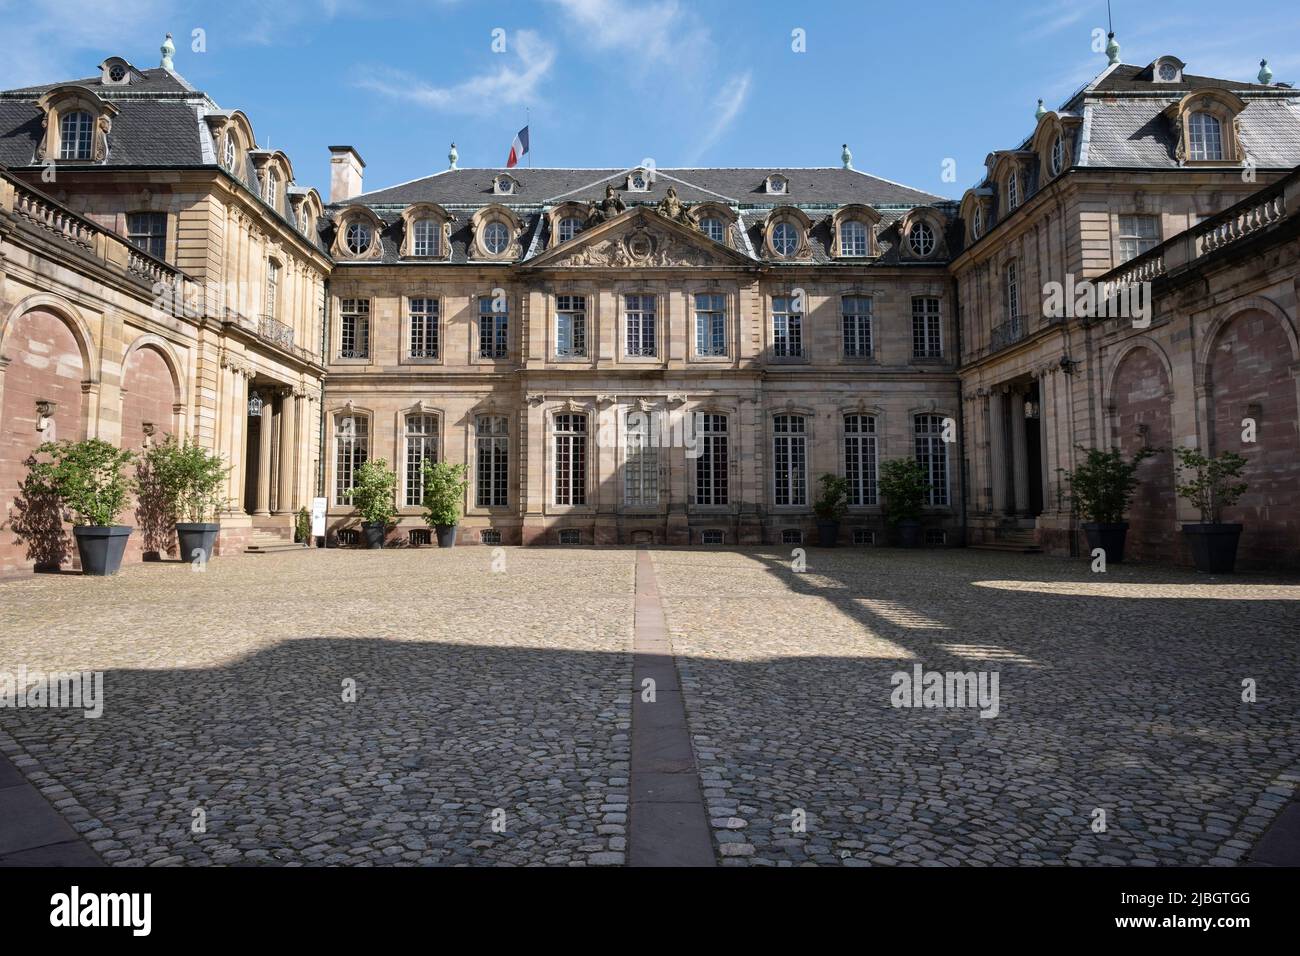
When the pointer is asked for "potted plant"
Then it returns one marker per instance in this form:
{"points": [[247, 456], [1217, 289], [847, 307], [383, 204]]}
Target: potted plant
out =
{"points": [[1214, 485], [190, 481], [87, 479], [831, 505], [1100, 488], [903, 486], [372, 495], [444, 490]]}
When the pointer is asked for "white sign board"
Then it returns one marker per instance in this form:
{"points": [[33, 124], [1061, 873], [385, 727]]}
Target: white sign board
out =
{"points": [[318, 517]]}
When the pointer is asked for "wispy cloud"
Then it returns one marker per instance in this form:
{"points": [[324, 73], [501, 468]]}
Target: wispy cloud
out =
{"points": [[1055, 18], [727, 105], [653, 30], [513, 81], [47, 40]]}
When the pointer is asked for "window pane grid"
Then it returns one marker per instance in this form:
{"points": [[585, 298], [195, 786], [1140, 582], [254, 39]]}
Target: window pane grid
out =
{"points": [[927, 328], [640, 320], [711, 467], [710, 324], [493, 329], [787, 329], [354, 329], [856, 315], [352, 449], [860, 458], [427, 238], [571, 459], [147, 231], [789, 457], [421, 447], [641, 468], [74, 135], [493, 450], [423, 328], [932, 456], [1137, 234], [571, 326]]}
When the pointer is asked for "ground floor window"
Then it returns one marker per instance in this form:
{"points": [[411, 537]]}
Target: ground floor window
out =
{"points": [[789, 460], [932, 456], [860, 458], [492, 461], [711, 465], [641, 464], [352, 449], [571, 459], [421, 447]]}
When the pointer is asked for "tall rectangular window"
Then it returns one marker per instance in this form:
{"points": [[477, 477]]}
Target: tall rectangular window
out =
{"points": [[1012, 292], [641, 462], [571, 326], [1206, 136], [789, 460], [1137, 234], [932, 456], [640, 319], [423, 319], [272, 288], [421, 447], [710, 324], [927, 328], [571, 459], [354, 328], [860, 458], [351, 449], [493, 327], [426, 238], [855, 313], [787, 328], [75, 135], [147, 231], [711, 467], [492, 461]]}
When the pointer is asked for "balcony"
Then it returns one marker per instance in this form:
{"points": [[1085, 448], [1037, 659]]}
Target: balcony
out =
{"points": [[1009, 332]]}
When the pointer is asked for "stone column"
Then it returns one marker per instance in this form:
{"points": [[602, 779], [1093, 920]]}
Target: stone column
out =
{"points": [[237, 425], [264, 455], [1019, 452], [288, 467], [1045, 459], [997, 451]]}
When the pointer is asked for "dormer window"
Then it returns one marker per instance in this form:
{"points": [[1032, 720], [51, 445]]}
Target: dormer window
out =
{"points": [[977, 224], [714, 228], [228, 154], [1013, 190], [424, 238], [1056, 162], [778, 184], [357, 238], [1204, 137], [115, 71], [570, 226], [76, 135], [272, 188], [921, 239], [785, 239], [1167, 69], [639, 181], [505, 185], [496, 238], [853, 238]]}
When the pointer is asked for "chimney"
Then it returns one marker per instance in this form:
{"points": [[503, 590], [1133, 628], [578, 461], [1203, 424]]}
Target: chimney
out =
{"points": [[345, 173]]}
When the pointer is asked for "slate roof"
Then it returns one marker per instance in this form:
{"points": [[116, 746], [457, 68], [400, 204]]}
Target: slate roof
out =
{"points": [[1127, 78]]}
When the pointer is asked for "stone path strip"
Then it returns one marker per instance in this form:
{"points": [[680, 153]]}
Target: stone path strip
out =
{"points": [[32, 832], [668, 825]]}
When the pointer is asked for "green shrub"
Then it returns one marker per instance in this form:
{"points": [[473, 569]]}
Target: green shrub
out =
{"points": [[189, 479], [86, 477], [444, 491], [903, 486], [1103, 484], [372, 492], [833, 502], [1214, 485]]}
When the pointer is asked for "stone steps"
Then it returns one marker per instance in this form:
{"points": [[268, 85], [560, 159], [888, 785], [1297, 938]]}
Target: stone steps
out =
{"points": [[263, 543]]}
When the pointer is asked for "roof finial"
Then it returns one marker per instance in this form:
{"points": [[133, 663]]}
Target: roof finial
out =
{"points": [[846, 157], [1265, 74], [1041, 111], [167, 48], [452, 156], [1112, 49]]}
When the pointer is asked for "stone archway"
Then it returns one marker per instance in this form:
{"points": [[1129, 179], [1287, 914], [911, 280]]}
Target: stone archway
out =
{"points": [[1140, 407]]}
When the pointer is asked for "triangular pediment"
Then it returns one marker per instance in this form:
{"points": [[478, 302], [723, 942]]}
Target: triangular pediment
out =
{"points": [[639, 238]]}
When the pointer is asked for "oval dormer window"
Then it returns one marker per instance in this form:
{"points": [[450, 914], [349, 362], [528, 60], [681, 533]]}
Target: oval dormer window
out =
{"points": [[977, 226], [785, 239], [357, 238], [1058, 155], [921, 239], [496, 238]]}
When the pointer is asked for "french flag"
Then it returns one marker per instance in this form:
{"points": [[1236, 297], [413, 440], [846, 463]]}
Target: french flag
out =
{"points": [[518, 148]]}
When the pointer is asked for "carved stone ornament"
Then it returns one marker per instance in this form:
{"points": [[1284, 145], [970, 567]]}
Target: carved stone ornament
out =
{"points": [[644, 247], [535, 398]]}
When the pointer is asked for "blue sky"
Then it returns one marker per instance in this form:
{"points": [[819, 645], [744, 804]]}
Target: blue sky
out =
{"points": [[613, 82]]}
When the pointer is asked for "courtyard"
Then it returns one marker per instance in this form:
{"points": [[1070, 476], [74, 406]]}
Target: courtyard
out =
{"points": [[486, 706]]}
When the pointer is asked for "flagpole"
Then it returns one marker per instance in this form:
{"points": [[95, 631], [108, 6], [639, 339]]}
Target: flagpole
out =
{"points": [[528, 113]]}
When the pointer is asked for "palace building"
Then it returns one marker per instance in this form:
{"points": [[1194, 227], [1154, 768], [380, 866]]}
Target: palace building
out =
{"points": [[669, 356]]}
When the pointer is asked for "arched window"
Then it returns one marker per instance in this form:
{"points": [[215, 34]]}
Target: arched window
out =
{"points": [[712, 464], [714, 228], [860, 458], [351, 450], [272, 288], [571, 459], [853, 238], [932, 456], [421, 448], [228, 157], [570, 226], [789, 460], [1013, 190], [641, 464], [1057, 159], [272, 188], [492, 461], [785, 239], [1205, 136], [496, 238], [921, 238], [426, 238], [75, 135], [356, 238]]}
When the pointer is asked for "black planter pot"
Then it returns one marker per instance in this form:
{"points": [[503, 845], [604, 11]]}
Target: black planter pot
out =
{"points": [[1108, 537], [909, 533], [197, 536], [1214, 546], [101, 549], [375, 531], [446, 535], [828, 534]]}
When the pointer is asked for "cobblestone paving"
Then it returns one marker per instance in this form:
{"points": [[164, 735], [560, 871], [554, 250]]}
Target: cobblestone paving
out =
{"points": [[1120, 693], [475, 691]]}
